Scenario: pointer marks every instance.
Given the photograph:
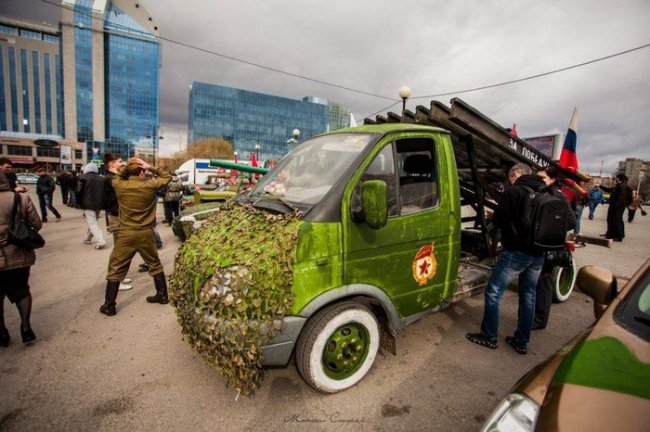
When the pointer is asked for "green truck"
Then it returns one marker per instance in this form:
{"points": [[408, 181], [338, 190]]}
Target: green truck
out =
{"points": [[393, 223]]}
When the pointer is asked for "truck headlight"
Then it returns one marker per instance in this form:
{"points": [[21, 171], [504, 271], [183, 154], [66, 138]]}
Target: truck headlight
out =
{"points": [[515, 413]]}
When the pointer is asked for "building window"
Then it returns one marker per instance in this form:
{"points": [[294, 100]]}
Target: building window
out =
{"points": [[48, 152], [3, 108], [25, 74], [37, 92], [13, 31], [14, 89], [78, 154], [19, 150], [30, 34], [50, 38], [48, 94]]}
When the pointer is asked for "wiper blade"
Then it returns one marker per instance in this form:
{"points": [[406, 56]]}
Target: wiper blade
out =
{"points": [[273, 198]]}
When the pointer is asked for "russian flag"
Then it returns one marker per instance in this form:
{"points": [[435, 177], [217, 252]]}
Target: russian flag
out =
{"points": [[568, 157]]}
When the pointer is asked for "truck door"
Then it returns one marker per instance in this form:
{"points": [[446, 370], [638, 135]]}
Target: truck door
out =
{"points": [[413, 258]]}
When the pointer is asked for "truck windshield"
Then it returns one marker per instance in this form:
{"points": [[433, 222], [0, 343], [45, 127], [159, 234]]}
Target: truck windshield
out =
{"points": [[309, 171]]}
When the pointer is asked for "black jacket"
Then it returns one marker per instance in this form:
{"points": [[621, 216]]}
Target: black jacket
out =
{"points": [[110, 198], [510, 211], [621, 195], [44, 185], [91, 191]]}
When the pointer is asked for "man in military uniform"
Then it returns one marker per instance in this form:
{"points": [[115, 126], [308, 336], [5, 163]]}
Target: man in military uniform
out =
{"points": [[137, 199]]}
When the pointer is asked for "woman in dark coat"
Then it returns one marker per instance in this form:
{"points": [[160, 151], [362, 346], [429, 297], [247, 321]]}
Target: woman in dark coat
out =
{"points": [[15, 262]]}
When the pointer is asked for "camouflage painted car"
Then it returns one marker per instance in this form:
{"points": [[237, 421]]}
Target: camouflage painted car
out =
{"points": [[599, 381]]}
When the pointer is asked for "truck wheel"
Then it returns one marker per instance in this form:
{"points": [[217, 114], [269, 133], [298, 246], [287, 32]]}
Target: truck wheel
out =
{"points": [[337, 347], [565, 279]]}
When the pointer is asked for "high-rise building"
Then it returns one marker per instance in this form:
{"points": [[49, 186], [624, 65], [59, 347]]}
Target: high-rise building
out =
{"points": [[247, 118], [111, 61], [31, 94], [86, 87]]}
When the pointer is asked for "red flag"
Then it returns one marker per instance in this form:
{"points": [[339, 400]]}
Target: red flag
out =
{"points": [[568, 157], [513, 132]]}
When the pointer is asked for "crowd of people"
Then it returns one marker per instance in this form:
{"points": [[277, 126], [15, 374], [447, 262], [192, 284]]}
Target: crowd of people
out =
{"points": [[126, 193]]}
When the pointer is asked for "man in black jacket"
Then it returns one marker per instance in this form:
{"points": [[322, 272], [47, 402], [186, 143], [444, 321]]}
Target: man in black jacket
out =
{"points": [[620, 198], [516, 260], [91, 200], [45, 191], [544, 294]]}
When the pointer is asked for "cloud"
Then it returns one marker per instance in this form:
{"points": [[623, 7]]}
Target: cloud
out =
{"points": [[433, 46]]}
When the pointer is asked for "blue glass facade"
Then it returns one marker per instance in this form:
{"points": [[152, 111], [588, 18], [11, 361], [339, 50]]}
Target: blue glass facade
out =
{"points": [[14, 89], [247, 118], [59, 96], [132, 57], [3, 108], [37, 92], [48, 94], [84, 69], [27, 124]]}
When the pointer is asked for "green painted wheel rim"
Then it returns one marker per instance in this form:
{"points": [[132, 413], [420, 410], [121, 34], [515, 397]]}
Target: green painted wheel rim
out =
{"points": [[345, 351], [566, 279]]}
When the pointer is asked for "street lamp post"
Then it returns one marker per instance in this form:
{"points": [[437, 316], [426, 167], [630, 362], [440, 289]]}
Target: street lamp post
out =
{"points": [[404, 93], [155, 138], [257, 151]]}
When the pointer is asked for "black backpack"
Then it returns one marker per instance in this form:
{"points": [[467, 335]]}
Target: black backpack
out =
{"points": [[544, 220]]}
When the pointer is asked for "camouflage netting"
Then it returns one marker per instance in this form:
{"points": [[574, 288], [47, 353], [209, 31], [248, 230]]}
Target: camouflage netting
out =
{"points": [[231, 287]]}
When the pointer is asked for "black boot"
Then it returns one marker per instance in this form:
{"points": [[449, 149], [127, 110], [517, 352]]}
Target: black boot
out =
{"points": [[108, 308], [161, 289]]}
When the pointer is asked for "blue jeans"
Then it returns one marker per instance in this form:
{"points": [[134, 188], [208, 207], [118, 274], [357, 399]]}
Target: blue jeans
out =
{"points": [[510, 265], [579, 210], [592, 208], [45, 201]]}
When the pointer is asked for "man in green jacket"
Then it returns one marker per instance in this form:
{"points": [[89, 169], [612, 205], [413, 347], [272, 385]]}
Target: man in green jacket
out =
{"points": [[137, 199]]}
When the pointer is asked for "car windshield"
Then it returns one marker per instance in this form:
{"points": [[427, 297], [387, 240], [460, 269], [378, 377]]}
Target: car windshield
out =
{"points": [[306, 174], [634, 311]]}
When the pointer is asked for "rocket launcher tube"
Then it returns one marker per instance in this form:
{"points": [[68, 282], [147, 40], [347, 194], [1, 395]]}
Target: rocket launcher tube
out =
{"points": [[238, 167]]}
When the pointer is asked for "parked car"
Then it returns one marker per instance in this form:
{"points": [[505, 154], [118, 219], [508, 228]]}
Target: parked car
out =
{"points": [[26, 178], [600, 380]]}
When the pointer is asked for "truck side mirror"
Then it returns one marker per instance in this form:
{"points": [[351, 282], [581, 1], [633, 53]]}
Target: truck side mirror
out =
{"points": [[374, 201], [599, 284]]}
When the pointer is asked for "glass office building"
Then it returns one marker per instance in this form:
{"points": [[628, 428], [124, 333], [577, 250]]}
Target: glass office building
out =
{"points": [[247, 118], [115, 51]]}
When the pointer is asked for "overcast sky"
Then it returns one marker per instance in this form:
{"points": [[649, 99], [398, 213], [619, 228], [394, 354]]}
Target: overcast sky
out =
{"points": [[431, 46]]}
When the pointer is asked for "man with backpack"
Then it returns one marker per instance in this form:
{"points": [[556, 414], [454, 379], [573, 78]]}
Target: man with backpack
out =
{"points": [[520, 258], [544, 293], [173, 193]]}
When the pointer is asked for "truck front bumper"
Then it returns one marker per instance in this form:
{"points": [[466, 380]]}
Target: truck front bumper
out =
{"points": [[278, 351]]}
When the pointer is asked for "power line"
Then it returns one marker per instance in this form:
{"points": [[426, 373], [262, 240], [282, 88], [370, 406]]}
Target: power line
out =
{"points": [[535, 76], [326, 83], [232, 58]]}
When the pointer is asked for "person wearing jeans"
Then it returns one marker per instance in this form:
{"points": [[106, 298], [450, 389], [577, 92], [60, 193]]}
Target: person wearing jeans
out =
{"points": [[516, 260], [91, 197], [45, 190]]}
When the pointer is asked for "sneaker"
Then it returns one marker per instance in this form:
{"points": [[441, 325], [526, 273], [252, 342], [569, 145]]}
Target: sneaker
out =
{"points": [[479, 339], [100, 246], [510, 340], [125, 287], [88, 241], [143, 268], [127, 280], [58, 219]]}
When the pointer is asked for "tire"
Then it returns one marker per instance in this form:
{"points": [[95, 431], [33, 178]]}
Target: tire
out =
{"points": [[337, 347], [565, 280]]}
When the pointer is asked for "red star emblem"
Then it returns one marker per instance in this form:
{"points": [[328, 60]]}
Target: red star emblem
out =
{"points": [[424, 267]]}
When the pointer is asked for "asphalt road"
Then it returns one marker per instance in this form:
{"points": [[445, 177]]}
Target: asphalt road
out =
{"points": [[134, 372]]}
